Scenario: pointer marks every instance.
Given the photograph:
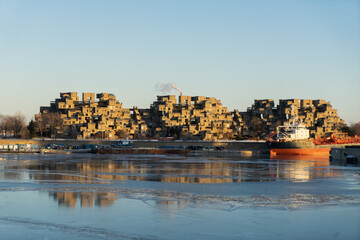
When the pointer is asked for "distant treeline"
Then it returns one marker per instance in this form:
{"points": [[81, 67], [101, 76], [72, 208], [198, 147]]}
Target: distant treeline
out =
{"points": [[15, 126]]}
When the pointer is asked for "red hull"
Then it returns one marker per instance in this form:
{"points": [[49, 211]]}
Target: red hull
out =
{"points": [[300, 151]]}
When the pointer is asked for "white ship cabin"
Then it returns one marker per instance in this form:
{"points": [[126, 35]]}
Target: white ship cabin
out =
{"points": [[290, 132]]}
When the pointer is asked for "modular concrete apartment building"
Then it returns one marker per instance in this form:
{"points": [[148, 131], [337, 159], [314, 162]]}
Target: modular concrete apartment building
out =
{"points": [[199, 116], [317, 115], [86, 118], [184, 117]]}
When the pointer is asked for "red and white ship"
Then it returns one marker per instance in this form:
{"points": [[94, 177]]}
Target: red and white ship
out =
{"points": [[293, 139]]}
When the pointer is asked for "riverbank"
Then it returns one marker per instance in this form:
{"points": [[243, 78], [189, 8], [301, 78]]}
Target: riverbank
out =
{"points": [[257, 146], [65, 146]]}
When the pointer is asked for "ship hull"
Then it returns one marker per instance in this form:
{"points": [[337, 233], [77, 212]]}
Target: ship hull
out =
{"points": [[302, 148], [301, 151]]}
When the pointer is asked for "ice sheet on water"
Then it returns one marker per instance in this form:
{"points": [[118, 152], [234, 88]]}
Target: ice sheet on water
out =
{"points": [[230, 181], [286, 201], [87, 231], [224, 202]]}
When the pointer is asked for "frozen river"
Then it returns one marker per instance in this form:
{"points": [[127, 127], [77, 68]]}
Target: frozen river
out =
{"points": [[90, 196]]}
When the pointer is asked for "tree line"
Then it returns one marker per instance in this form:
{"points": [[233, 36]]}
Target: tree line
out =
{"points": [[14, 126]]}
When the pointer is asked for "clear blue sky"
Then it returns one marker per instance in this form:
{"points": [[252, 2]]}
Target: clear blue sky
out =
{"points": [[236, 51]]}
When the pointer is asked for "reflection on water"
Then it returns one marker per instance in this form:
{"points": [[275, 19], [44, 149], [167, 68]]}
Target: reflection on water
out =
{"points": [[183, 170], [86, 199], [305, 168], [84, 170], [86, 196]]}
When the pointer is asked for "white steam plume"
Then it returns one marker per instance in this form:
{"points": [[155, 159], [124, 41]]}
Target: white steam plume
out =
{"points": [[176, 88], [167, 87]]}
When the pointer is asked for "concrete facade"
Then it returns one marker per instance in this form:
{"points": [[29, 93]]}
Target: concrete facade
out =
{"points": [[184, 117], [199, 116], [317, 115], [90, 117]]}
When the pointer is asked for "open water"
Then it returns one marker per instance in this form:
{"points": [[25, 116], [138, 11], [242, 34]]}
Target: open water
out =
{"points": [[88, 196]]}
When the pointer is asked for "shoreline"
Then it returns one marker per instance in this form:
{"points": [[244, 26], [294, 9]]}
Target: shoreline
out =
{"points": [[228, 145], [240, 148]]}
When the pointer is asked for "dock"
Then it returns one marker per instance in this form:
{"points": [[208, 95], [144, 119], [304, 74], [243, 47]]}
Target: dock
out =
{"points": [[346, 155]]}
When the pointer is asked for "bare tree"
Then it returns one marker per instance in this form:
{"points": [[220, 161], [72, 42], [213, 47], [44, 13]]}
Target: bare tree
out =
{"points": [[55, 123], [12, 125], [73, 132], [355, 128], [41, 123], [2, 132], [121, 134], [49, 124], [256, 127], [7, 126], [100, 135], [18, 123], [25, 133]]}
